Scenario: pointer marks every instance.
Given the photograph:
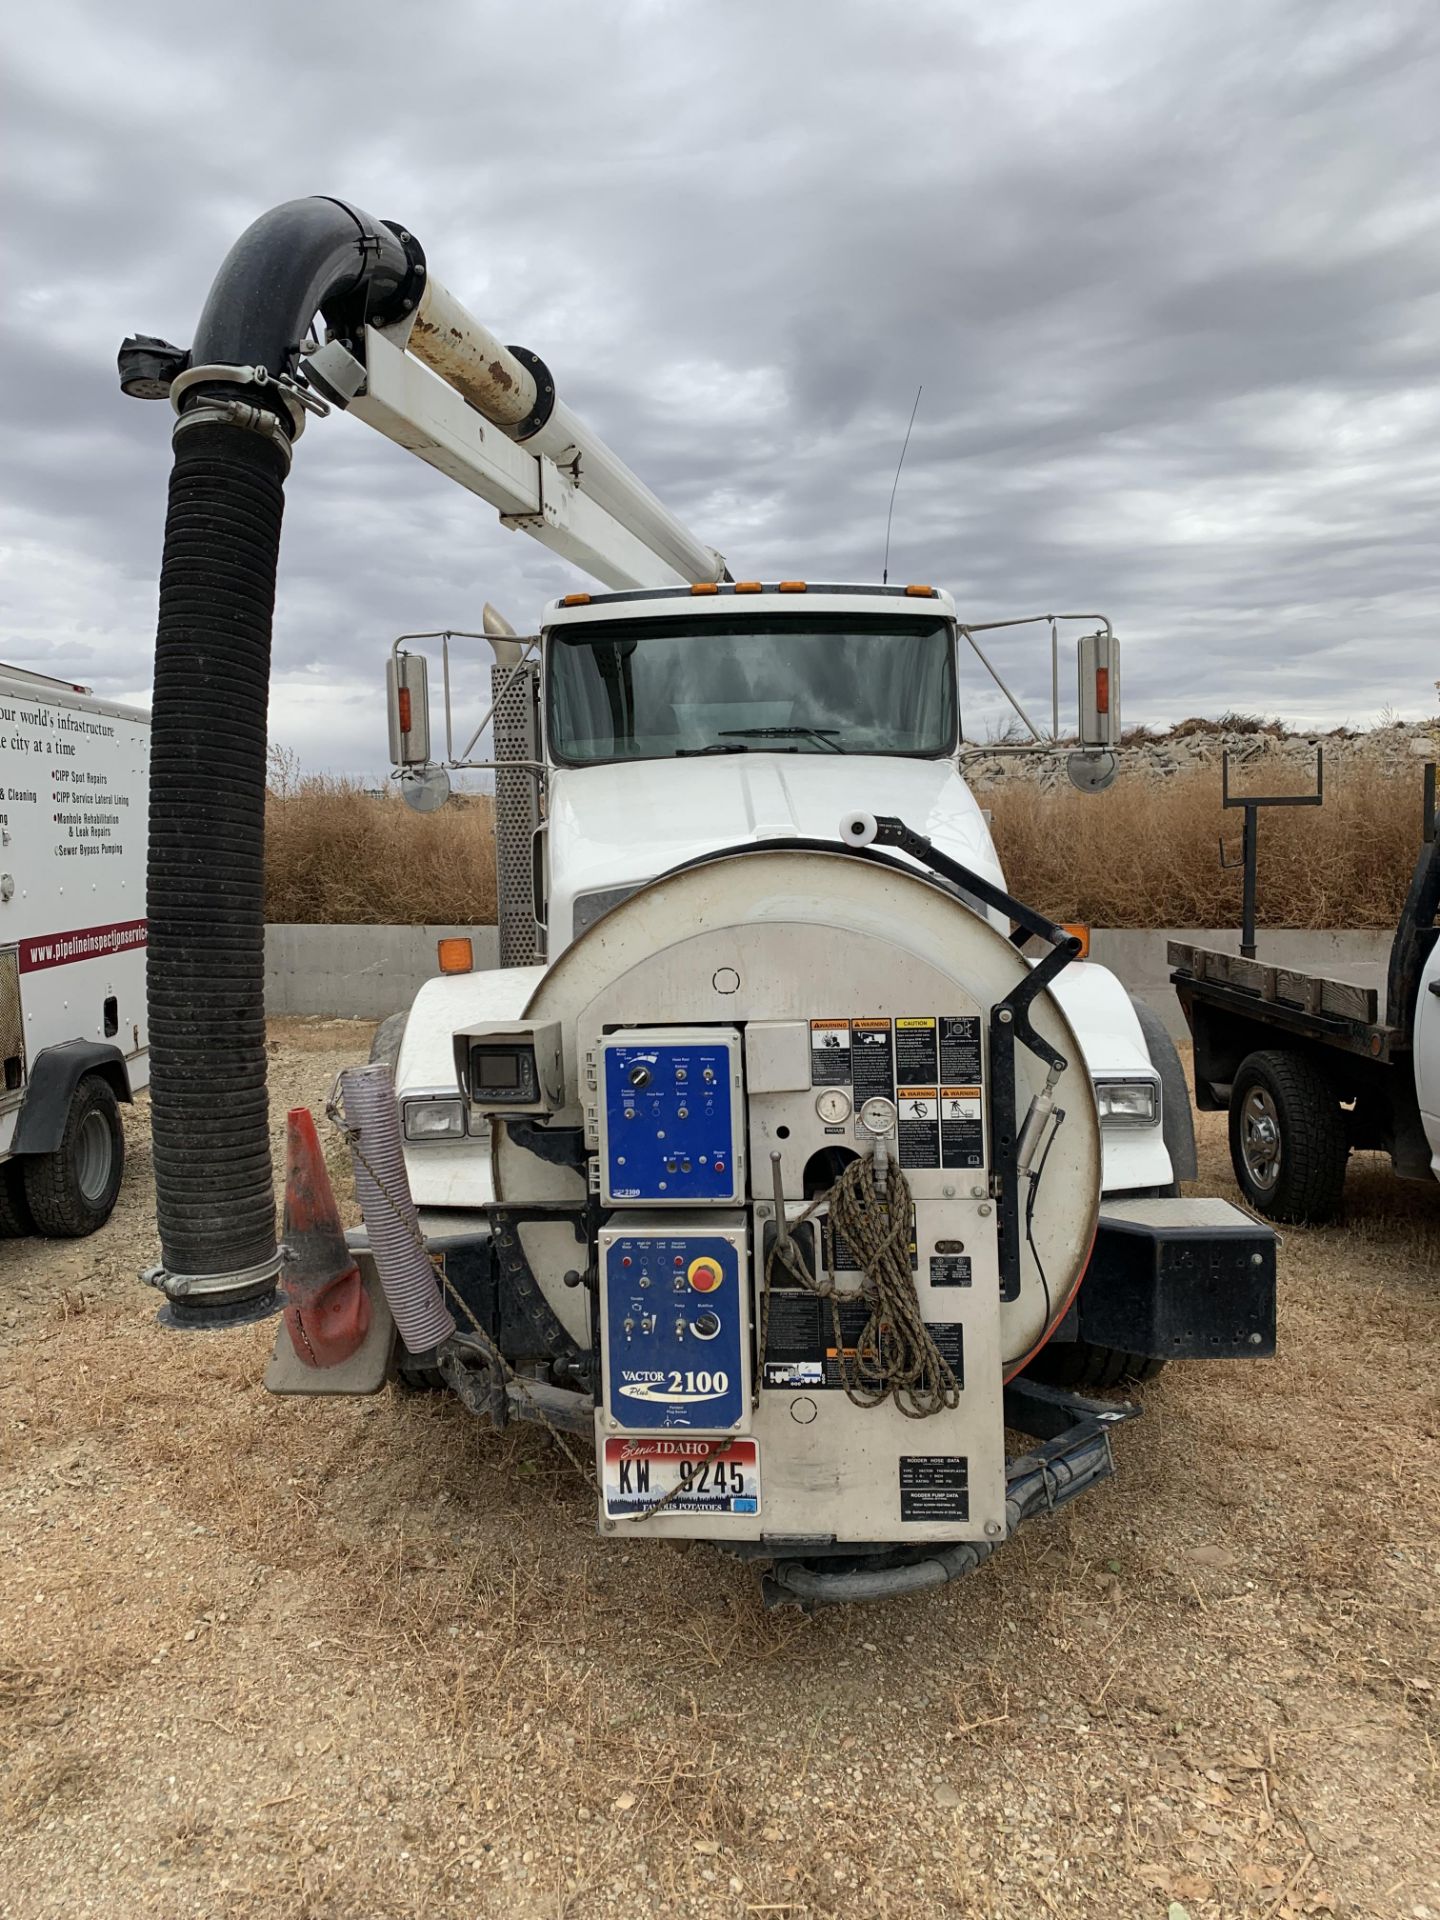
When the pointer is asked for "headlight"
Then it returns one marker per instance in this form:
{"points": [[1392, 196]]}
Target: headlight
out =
{"points": [[434, 1119], [1128, 1103]]}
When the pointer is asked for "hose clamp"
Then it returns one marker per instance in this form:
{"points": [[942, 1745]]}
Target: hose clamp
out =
{"points": [[297, 400], [200, 1289], [235, 413]]}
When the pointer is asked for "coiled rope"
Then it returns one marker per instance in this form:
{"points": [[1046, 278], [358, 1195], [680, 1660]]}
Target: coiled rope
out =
{"points": [[896, 1357]]}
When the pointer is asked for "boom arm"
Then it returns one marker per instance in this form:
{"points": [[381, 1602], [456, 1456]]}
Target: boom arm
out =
{"points": [[425, 373]]}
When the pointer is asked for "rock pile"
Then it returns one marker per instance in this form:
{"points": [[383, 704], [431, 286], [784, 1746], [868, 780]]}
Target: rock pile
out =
{"points": [[1195, 746]]}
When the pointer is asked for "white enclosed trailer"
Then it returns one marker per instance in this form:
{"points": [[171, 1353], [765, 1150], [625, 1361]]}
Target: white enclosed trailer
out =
{"points": [[74, 785]]}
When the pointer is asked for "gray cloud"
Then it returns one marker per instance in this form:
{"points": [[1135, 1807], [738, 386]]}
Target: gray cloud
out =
{"points": [[1170, 277]]}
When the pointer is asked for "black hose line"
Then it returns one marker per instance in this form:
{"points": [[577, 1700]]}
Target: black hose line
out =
{"points": [[214, 1193], [215, 1201]]}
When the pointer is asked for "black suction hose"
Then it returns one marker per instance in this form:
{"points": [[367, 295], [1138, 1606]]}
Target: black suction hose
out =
{"points": [[215, 1202]]}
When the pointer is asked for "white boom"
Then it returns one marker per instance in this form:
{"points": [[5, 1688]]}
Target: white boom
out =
{"points": [[441, 385]]}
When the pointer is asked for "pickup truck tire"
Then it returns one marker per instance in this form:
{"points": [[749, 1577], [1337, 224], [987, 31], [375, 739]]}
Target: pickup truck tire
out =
{"points": [[1288, 1143], [15, 1220], [72, 1191]]}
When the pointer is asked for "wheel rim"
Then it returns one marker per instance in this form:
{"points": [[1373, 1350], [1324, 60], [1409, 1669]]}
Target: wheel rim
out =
{"points": [[94, 1156], [1260, 1137]]}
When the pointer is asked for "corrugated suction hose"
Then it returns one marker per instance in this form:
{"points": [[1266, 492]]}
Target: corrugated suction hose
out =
{"points": [[372, 1121], [215, 1200]]}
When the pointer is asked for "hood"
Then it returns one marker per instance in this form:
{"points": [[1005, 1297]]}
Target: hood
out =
{"points": [[623, 824]]}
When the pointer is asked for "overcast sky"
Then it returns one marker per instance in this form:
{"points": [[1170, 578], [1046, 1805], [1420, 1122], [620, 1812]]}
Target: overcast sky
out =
{"points": [[1169, 271]]}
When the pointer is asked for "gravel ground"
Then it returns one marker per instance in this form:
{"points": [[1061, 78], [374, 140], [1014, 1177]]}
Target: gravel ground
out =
{"points": [[266, 1657]]}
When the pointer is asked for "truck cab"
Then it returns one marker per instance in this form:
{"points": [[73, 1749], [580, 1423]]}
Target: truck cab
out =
{"points": [[646, 729]]}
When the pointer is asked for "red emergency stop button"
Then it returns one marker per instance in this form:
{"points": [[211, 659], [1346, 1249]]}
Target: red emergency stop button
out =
{"points": [[705, 1276]]}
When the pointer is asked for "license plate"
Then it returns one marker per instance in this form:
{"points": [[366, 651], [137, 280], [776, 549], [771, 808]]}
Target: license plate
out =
{"points": [[704, 1476]]}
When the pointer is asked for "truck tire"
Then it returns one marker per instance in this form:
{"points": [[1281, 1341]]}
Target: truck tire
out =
{"points": [[388, 1036], [15, 1220], [72, 1191], [1288, 1143], [1177, 1115], [1080, 1363]]}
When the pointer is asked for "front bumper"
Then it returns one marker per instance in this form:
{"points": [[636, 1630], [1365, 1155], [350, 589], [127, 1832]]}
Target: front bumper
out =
{"points": [[1176, 1279]]}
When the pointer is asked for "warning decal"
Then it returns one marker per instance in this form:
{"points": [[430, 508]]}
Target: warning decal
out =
{"points": [[800, 1340], [872, 1060], [829, 1053], [934, 1486], [960, 1049], [962, 1127], [917, 1126]]}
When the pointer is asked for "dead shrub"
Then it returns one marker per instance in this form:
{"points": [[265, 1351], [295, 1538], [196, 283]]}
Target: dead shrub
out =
{"points": [[1146, 853], [335, 853]]}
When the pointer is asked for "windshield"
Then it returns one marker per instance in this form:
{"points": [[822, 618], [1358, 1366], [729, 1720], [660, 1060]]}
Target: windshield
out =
{"points": [[844, 683]]}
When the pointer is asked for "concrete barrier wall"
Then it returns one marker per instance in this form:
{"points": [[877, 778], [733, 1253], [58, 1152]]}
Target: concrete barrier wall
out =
{"points": [[360, 973], [366, 972]]}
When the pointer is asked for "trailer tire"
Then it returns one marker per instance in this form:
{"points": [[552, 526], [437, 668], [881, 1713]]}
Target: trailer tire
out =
{"points": [[1289, 1095], [72, 1191], [15, 1217]]}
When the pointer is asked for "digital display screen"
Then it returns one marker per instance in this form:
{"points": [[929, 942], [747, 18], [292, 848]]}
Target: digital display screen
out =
{"points": [[502, 1073]]}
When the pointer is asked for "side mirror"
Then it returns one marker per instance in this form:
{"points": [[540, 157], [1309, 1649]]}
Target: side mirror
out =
{"points": [[1093, 768], [407, 698], [1098, 655]]}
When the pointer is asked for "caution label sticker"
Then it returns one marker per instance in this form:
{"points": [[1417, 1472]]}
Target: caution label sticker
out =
{"points": [[915, 1050]]}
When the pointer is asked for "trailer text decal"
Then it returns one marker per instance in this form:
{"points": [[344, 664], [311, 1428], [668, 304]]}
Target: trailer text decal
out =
{"points": [[85, 943]]}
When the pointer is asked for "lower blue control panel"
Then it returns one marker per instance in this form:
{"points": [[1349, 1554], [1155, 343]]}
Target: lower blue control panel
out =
{"points": [[675, 1327], [671, 1133]]}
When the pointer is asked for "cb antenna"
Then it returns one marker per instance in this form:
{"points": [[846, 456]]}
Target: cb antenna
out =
{"points": [[885, 572]]}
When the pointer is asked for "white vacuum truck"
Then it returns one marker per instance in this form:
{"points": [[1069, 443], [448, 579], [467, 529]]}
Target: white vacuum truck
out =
{"points": [[772, 1160]]}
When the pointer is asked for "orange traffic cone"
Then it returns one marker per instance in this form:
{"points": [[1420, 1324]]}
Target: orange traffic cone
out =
{"points": [[327, 1308]]}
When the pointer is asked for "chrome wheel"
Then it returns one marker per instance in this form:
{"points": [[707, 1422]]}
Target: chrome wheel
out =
{"points": [[94, 1157], [1260, 1137]]}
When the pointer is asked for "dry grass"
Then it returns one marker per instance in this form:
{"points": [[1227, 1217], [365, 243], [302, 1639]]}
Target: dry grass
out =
{"points": [[1142, 855], [334, 853], [365, 1658], [1145, 854]]}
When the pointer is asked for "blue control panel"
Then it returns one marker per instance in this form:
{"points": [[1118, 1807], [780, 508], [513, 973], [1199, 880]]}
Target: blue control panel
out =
{"points": [[670, 1132], [675, 1325]]}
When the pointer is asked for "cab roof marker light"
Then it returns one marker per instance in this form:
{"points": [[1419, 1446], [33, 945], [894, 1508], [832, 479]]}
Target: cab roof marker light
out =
{"points": [[575, 600], [704, 586], [792, 586], [748, 586], [920, 593]]}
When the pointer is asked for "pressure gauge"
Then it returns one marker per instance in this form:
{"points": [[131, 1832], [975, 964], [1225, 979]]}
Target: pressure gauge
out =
{"points": [[833, 1106], [878, 1115]]}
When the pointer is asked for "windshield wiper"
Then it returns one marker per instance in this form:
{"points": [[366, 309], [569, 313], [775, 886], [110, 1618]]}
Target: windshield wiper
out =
{"points": [[717, 746], [822, 734]]}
